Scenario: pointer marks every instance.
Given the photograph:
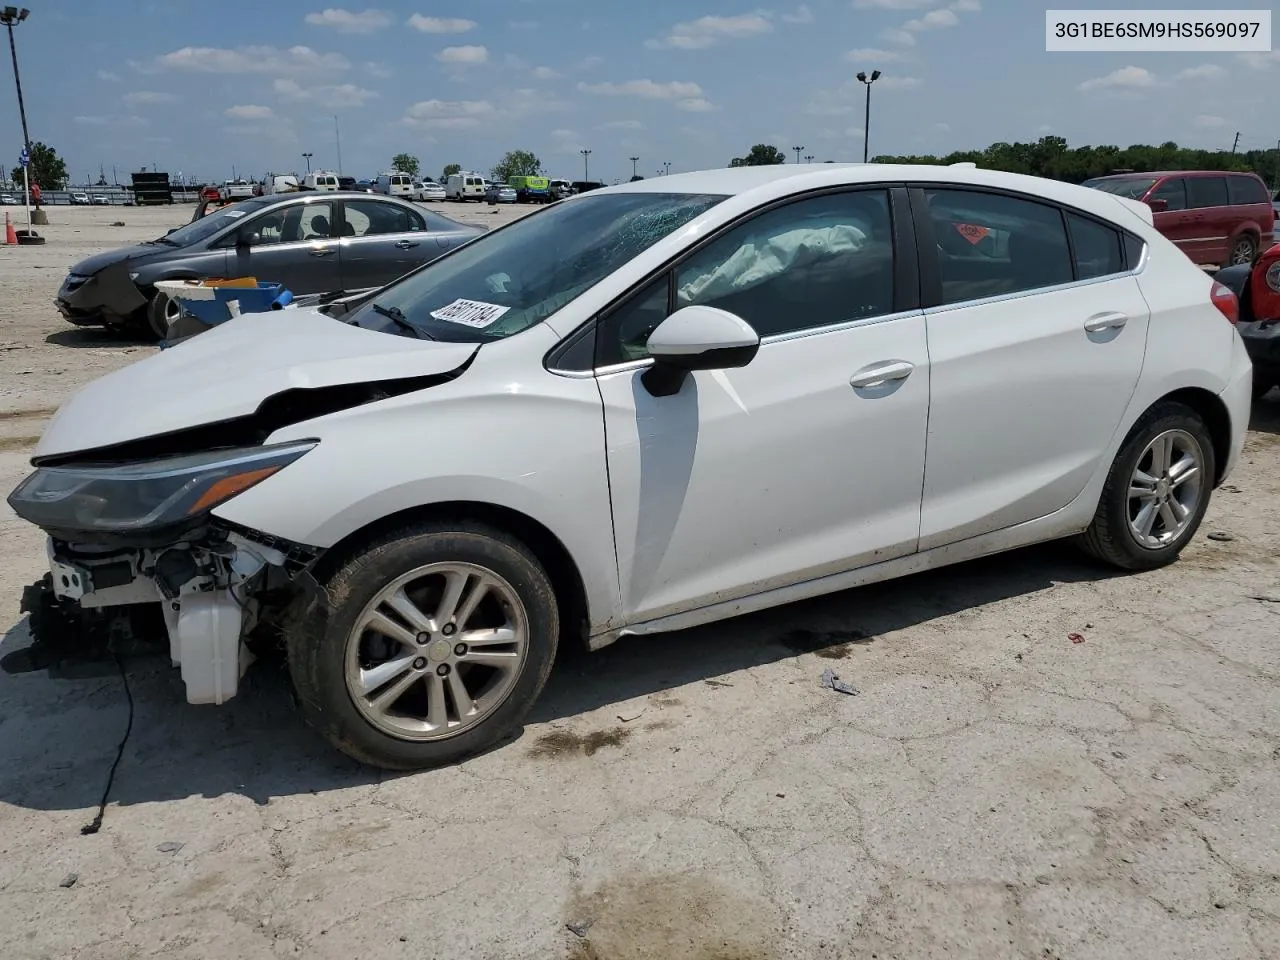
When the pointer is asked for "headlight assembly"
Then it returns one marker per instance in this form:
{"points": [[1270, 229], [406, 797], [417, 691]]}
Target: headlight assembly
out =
{"points": [[1273, 276], [133, 497]]}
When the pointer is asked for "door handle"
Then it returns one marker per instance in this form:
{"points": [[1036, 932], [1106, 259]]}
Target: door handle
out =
{"points": [[322, 251], [880, 373], [1105, 321], [406, 244]]}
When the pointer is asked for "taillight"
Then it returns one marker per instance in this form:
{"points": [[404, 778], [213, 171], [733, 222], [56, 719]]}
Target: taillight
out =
{"points": [[1226, 301]]}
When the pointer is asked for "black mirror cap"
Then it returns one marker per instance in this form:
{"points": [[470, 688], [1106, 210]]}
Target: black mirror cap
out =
{"points": [[667, 375]]}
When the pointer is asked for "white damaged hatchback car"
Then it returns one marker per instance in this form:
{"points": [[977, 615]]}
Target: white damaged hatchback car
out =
{"points": [[643, 408]]}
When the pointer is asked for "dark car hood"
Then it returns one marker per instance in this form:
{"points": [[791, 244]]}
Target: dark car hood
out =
{"points": [[91, 265]]}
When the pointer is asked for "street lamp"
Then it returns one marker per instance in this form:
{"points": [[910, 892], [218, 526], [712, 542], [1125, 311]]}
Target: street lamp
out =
{"points": [[10, 16], [808, 158], [586, 178], [866, 125], [634, 161], [667, 164], [797, 150], [308, 157]]}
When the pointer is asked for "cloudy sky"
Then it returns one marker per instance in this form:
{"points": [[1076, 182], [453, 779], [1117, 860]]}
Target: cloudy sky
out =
{"points": [[199, 87]]}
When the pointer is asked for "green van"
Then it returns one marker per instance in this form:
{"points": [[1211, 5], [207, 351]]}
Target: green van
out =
{"points": [[531, 189]]}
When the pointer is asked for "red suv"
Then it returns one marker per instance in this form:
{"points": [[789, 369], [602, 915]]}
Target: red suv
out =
{"points": [[1217, 219]]}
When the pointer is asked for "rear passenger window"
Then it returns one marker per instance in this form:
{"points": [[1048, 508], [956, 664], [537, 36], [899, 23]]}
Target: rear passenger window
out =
{"points": [[1133, 248], [1207, 191], [1173, 192], [992, 245], [1096, 248], [1246, 190]]}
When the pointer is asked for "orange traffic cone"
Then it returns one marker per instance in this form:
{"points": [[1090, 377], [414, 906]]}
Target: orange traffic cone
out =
{"points": [[10, 235]]}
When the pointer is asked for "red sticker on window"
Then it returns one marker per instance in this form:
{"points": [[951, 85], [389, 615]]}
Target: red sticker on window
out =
{"points": [[972, 232]]}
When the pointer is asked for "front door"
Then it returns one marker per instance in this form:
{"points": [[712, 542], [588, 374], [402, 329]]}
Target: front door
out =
{"points": [[808, 461], [1213, 216], [382, 241], [292, 245], [1177, 222], [1033, 358]]}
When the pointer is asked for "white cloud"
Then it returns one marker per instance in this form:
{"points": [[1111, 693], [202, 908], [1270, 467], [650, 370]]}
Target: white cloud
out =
{"points": [[544, 73], [93, 121], [250, 111], [802, 15], [1208, 121], [891, 4], [1126, 78], [901, 37], [448, 114], [898, 83], [148, 96], [1261, 61], [621, 125], [942, 127], [348, 21], [966, 6], [378, 70], [707, 31], [587, 63], [849, 133], [1206, 71], [872, 55], [440, 25], [467, 54], [336, 95], [933, 20], [108, 77], [648, 89], [271, 60], [696, 105]]}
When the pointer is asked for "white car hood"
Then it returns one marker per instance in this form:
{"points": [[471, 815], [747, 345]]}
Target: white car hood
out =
{"points": [[230, 369]]}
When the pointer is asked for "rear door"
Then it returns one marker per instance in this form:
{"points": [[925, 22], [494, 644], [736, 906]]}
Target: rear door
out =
{"points": [[1212, 218], [292, 244], [381, 240], [1252, 203], [1035, 344]]}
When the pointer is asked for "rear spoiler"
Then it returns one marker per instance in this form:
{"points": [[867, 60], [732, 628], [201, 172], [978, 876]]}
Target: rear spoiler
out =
{"points": [[1138, 207]]}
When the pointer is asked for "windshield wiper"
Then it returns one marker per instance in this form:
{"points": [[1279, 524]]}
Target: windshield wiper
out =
{"points": [[166, 241], [396, 314]]}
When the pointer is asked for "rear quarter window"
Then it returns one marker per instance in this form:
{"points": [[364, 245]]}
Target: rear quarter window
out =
{"points": [[1246, 190], [1207, 192]]}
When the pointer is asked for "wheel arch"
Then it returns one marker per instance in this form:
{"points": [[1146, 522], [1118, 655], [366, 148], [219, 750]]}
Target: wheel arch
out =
{"points": [[551, 553], [1216, 418]]}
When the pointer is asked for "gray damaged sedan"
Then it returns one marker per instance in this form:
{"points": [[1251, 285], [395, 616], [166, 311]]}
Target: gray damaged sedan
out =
{"points": [[309, 242]]}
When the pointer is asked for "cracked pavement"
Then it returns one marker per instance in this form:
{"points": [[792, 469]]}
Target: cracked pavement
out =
{"points": [[993, 790]]}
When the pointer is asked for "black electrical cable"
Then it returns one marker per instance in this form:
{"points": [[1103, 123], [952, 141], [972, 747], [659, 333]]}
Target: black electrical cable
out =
{"points": [[96, 825]]}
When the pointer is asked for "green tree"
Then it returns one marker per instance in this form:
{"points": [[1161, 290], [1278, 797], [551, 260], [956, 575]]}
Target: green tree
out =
{"points": [[405, 163], [450, 168], [761, 155], [517, 163], [47, 168]]}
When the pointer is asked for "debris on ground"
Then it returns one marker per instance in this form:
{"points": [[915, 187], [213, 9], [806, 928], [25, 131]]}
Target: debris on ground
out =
{"points": [[579, 928], [1075, 637], [832, 682], [629, 719], [1264, 598], [170, 846], [69, 880], [1221, 537], [717, 683]]}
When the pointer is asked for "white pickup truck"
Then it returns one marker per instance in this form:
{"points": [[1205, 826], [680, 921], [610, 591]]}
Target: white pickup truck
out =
{"points": [[235, 190]]}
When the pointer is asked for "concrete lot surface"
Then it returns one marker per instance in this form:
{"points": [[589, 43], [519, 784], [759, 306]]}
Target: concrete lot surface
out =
{"points": [[993, 790]]}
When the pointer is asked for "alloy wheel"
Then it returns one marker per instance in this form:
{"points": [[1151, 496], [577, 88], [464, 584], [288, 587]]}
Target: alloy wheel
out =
{"points": [[1165, 489], [436, 651], [1242, 252]]}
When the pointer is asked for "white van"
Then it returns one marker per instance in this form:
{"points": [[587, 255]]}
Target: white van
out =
{"points": [[320, 180], [394, 184], [464, 186]]}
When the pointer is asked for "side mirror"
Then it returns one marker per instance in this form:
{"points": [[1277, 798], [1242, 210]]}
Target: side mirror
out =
{"points": [[172, 230], [697, 338], [1158, 206], [244, 237]]}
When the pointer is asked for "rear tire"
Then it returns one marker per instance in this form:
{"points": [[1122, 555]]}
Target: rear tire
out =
{"points": [[1156, 492], [347, 671], [1243, 251]]}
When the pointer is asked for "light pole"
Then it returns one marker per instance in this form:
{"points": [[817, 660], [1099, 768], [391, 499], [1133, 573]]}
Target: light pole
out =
{"points": [[634, 161], [808, 158], [10, 16], [797, 150], [667, 165], [586, 176], [308, 157], [866, 124], [337, 139]]}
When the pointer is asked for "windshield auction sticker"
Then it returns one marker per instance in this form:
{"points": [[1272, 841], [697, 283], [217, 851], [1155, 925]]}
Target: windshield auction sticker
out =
{"points": [[470, 313], [1148, 31]]}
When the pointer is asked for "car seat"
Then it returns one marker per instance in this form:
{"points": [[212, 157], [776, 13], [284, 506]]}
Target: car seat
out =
{"points": [[318, 228]]}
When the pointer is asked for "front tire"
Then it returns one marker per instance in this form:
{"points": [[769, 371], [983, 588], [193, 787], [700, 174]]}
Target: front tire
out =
{"points": [[429, 645], [1156, 493], [161, 311]]}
